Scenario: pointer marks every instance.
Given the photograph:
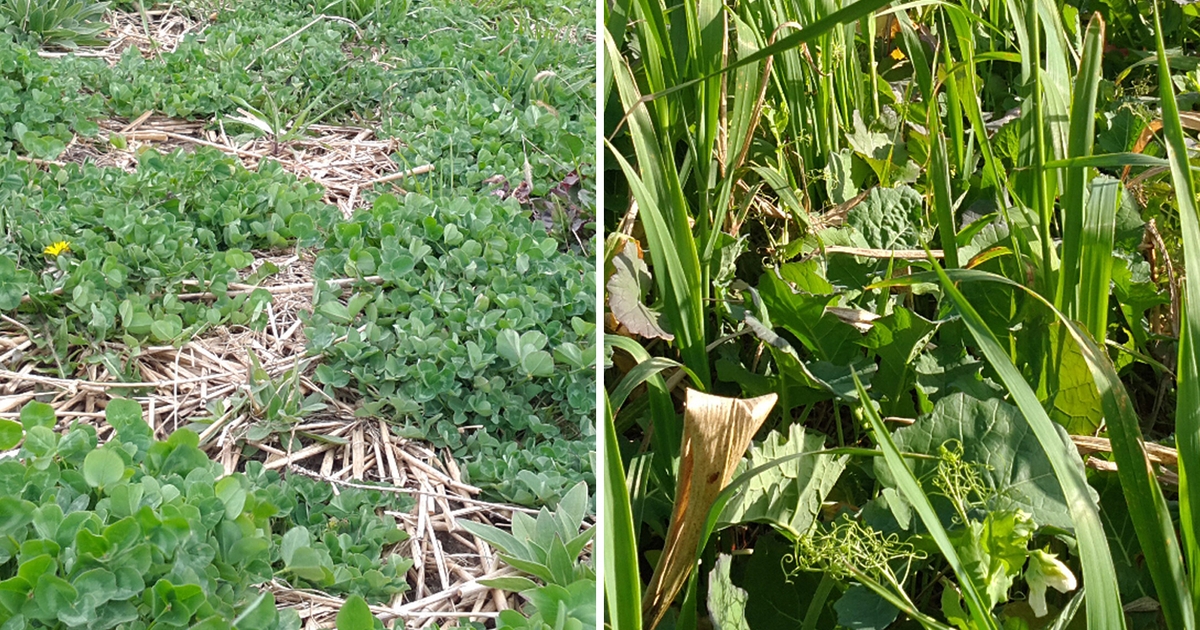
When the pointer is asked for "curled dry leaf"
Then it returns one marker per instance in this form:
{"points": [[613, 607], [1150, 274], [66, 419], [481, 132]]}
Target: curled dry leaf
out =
{"points": [[716, 432], [627, 288]]}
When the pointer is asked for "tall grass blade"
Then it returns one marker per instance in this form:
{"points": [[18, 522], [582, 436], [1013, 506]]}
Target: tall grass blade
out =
{"points": [[845, 15], [664, 216], [920, 502], [667, 433], [1099, 577], [1187, 410], [1056, 77], [1110, 160], [622, 586], [1036, 189], [616, 18], [939, 174], [1082, 134], [1099, 226]]}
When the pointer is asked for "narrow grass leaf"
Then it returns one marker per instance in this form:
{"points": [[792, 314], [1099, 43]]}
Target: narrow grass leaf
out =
{"points": [[845, 15], [1081, 136], [665, 439], [1109, 160], [642, 372], [1187, 410], [1095, 275], [664, 216], [622, 586]]}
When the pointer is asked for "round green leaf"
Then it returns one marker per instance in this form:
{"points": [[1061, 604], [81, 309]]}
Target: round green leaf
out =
{"points": [[54, 594], [166, 329], [10, 434], [37, 414], [538, 363], [508, 345], [355, 615], [103, 468]]}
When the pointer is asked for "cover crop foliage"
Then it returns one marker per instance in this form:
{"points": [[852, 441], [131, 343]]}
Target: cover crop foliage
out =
{"points": [[143, 533], [516, 410], [477, 320]]}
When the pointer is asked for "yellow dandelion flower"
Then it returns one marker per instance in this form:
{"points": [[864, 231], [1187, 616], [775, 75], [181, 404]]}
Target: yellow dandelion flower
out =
{"points": [[58, 248], [898, 55]]}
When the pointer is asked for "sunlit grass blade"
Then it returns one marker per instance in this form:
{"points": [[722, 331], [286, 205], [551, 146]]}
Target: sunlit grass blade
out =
{"points": [[622, 586], [616, 18], [1099, 577], [845, 15], [1082, 134], [1099, 225], [1035, 188], [939, 174], [1187, 410], [1055, 81], [917, 498], [969, 90], [1110, 160]]}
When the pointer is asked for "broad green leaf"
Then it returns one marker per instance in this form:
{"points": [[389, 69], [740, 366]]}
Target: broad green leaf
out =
{"points": [[992, 435], [211, 623], [726, 602], [229, 490], [805, 315], [778, 596], [559, 604], [860, 608], [1074, 401], [40, 440], [898, 338], [103, 468], [789, 496], [15, 284], [1104, 609], [95, 586], [15, 514], [538, 363], [126, 417], [54, 594], [908, 484], [295, 538], [890, 218], [259, 615], [168, 328], [508, 345]]}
